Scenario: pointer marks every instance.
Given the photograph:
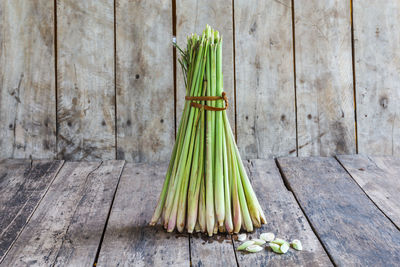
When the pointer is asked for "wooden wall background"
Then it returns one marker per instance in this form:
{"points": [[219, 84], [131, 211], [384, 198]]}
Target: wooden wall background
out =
{"points": [[98, 79]]}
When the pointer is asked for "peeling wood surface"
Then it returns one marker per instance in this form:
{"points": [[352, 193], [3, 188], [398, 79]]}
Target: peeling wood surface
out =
{"points": [[324, 81], [266, 121], [379, 178], [377, 65], [192, 16], [145, 81], [129, 240], [285, 219], [66, 227], [352, 229], [23, 183], [85, 80], [27, 79]]}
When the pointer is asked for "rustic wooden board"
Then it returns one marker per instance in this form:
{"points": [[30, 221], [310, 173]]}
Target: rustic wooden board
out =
{"points": [[27, 95], [67, 226], [23, 184], [377, 65], [129, 240], [324, 80], [353, 230], [85, 80], [266, 120], [285, 219], [217, 250], [192, 17], [144, 80], [379, 178]]}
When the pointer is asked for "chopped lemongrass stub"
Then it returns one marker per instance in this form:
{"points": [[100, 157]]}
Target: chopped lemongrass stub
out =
{"points": [[245, 245], [254, 248], [296, 244], [258, 241], [280, 241], [242, 237], [267, 237], [275, 248], [284, 248]]}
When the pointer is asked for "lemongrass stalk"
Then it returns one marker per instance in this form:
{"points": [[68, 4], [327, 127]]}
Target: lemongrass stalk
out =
{"points": [[201, 216], [248, 223], [209, 150], [219, 173], [237, 217], [227, 185]]}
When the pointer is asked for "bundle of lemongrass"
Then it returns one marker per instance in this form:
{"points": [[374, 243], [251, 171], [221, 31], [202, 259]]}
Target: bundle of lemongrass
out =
{"points": [[206, 187]]}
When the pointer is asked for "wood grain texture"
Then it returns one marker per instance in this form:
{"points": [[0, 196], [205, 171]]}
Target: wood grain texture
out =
{"points": [[266, 121], [23, 184], [145, 80], [66, 228], [379, 178], [85, 79], [324, 81], [377, 65], [285, 220], [216, 251], [27, 79], [129, 240], [192, 16], [353, 230]]}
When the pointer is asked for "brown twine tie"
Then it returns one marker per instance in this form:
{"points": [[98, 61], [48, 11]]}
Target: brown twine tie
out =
{"points": [[208, 98]]}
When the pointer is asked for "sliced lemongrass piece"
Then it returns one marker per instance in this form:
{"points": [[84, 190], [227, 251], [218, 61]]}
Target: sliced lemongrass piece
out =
{"points": [[244, 245], [296, 244], [284, 248], [280, 241], [254, 248], [258, 241], [242, 237], [275, 248], [267, 237]]}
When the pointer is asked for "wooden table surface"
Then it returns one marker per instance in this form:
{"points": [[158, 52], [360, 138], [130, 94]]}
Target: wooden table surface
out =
{"points": [[344, 209]]}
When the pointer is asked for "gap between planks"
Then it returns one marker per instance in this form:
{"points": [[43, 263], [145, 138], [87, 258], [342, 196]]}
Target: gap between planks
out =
{"points": [[287, 185]]}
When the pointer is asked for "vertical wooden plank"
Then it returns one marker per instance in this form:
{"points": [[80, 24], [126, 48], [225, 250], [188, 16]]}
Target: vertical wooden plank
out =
{"points": [[352, 229], [377, 66], [22, 186], [266, 120], [144, 80], [324, 81], [67, 226], [129, 239], [192, 17], [85, 79], [27, 95]]}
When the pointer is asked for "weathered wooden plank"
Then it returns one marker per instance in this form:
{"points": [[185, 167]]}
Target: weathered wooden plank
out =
{"points": [[144, 80], [353, 230], [192, 17], [324, 81], [85, 80], [379, 178], [377, 65], [285, 219], [217, 250], [129, 240], [67, 226], [27, 79], [266, 121], [22, 185]]}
